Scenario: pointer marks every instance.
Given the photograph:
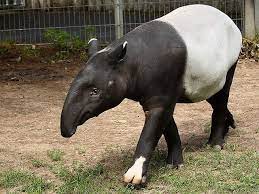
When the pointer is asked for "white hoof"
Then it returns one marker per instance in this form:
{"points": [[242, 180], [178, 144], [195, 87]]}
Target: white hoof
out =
{"points": [[217, 147], [134, 174], [179, 166]]}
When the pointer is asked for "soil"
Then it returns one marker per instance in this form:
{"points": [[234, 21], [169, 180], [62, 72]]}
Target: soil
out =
{"points": [[32, 96]]}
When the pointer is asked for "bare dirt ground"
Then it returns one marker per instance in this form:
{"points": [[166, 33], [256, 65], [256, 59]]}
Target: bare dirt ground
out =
{"points": [[32, 97]]}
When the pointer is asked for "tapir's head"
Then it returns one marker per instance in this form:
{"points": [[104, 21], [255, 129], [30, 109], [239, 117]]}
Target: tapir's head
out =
{"points": [[99, 86]]}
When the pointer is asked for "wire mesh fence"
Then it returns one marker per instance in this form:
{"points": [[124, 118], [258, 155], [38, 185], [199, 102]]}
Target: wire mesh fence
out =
{"points": [[25, 25]]}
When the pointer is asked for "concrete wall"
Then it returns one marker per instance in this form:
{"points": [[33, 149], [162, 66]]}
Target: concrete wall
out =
{"points": [[250, 19], [257, 15]]}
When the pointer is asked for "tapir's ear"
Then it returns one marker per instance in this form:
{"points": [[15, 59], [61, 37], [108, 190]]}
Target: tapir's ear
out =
{"points": [[119, 52], [93, 46]]}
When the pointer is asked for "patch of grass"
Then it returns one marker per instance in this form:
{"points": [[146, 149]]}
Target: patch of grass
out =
{"points": [[55, 154], [231, 147], [38, 163], [81, 150], [23, 181], [13, 178], [60, 171], [205, 170], [82, 180]]}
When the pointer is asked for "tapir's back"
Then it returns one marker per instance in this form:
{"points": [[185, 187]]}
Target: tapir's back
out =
{"points": [[213, 44]]}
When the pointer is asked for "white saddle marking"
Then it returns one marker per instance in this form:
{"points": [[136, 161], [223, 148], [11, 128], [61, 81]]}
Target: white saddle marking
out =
{"points": [[213, 43]]}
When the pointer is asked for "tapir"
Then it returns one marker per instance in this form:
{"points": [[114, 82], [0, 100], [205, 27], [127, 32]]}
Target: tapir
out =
{"points": [[186, 56]]}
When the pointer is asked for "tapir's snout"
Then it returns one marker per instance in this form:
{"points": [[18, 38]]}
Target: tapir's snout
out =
{"points": [[66, 126], [68, 133]]}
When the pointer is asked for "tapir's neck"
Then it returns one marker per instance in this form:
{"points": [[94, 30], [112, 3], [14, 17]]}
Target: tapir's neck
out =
{"points": [[129, 81], [129, 69]]}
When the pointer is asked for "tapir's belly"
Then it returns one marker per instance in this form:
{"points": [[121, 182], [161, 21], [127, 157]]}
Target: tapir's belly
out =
{"points": [[213, 43]]}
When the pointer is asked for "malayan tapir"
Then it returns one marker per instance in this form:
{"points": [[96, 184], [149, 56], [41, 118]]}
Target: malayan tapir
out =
{"points": [[188, 55]]}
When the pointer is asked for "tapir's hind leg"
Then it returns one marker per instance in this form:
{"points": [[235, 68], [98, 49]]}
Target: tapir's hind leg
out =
{"points": [[174, 157], [221, 116]]}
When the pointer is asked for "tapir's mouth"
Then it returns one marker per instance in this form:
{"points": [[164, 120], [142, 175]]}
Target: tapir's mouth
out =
{"points": [[79, 121], [84, 117]]}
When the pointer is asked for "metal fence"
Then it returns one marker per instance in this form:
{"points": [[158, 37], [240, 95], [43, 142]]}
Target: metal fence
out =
{"points": [[26, 25]]}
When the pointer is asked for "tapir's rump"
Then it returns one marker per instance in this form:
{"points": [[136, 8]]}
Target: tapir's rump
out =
{"points": [[213, 43]]}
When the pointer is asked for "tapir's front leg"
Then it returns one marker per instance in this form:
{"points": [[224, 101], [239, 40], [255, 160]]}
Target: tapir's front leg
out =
{"points": [[156, 120]]}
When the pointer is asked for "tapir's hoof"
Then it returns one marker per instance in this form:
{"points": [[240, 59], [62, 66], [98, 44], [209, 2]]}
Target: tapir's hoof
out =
{"points": [[217, 147], [135, 174], [134, 179], [178, 166]]}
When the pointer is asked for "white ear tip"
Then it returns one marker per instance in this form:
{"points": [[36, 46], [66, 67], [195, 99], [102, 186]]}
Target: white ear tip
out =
{"points": [[125, 44], [92, 39]]}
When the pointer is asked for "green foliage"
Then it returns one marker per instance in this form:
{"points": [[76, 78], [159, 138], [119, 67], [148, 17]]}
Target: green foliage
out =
{"points": [[61, 55], [24, 181], [55, 154], [67, 44], [59, 38], [90, 32], [5, 46], [250, 48], [63, 41], [29, 51]]}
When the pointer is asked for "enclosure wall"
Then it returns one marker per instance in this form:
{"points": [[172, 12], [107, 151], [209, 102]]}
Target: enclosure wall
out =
{"points": [[22, 21]]}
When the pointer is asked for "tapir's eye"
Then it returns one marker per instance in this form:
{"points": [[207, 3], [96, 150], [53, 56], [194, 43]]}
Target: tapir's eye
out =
{"points": [[94, 92]]}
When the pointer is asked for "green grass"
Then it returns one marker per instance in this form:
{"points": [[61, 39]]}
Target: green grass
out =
{"points": [[23, 181], [220, 172], [38, 163], [81, 150], [55, 154], [227, 171]]}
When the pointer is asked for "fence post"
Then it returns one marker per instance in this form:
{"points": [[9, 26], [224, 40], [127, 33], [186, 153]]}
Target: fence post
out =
{"points": [[118, 14], [257, 15], [249, 19]]}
